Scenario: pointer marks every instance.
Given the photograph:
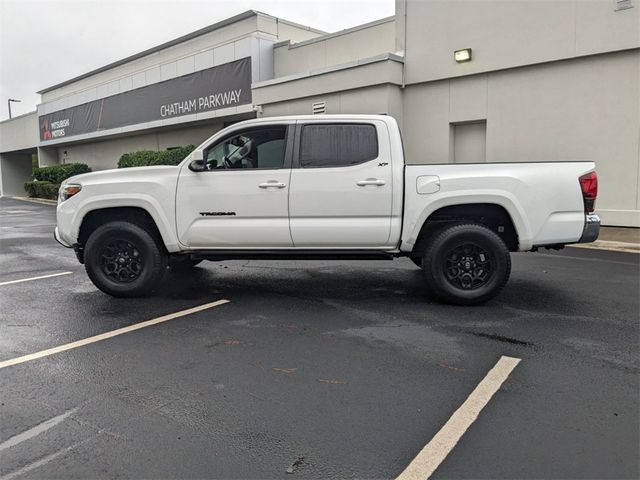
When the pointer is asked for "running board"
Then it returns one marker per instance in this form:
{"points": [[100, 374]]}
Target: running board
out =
{"points": [[291, 255]]}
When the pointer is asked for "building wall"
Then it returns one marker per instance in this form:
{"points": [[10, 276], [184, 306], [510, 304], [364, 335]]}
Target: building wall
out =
{"points": [[250, 34], [19, 133], [374, 71], [377, 99], [156, 66], [213, 48], [286, 30], [506, 34], [15, 169], [100, 155], [18, 138], [581, 109], [342, 47], [96, 87]]}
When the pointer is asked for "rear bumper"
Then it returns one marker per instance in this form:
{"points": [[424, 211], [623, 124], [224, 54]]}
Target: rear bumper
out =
{"points": [[591, 229]]}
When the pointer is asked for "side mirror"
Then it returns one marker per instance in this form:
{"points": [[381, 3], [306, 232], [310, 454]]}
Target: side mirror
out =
{"points": [[197, 161], [197, 166]]}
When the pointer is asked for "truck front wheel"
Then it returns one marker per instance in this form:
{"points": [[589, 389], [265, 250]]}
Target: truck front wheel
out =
{"points": [[123, 260], [466, 264]]}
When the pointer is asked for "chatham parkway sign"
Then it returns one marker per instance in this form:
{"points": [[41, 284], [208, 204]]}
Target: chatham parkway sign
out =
{"points": [[227, 85]]}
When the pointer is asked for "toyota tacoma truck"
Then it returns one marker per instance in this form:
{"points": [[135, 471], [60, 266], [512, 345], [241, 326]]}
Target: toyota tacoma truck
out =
{"points": [[323, 187]]}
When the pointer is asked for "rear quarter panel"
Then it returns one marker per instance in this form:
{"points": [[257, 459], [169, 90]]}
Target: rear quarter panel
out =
{"points": [[543, 199]]}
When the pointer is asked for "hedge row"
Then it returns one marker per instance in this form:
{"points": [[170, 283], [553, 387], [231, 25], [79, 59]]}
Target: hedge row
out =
{"points": [[42, 189], [59, 173], [144, 158]]}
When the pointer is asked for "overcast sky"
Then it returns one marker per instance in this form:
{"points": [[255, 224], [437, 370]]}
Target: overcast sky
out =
{"points": [[44, 42]]}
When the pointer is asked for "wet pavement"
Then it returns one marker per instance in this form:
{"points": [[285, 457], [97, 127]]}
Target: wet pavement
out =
{"points": [[313, 369]]}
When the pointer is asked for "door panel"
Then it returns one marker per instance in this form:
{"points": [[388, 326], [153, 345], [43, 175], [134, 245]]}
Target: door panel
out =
{"points": [[242, 202], [341, 206]]}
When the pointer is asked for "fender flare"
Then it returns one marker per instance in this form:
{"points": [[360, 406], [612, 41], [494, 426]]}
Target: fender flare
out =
{"points": [[503, 199], [142, 201]]}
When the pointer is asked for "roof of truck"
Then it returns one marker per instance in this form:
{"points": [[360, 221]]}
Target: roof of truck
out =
{"points": [[318, 118]]}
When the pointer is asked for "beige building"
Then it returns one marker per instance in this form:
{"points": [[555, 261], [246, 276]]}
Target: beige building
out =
{"points": [[546, 80]]}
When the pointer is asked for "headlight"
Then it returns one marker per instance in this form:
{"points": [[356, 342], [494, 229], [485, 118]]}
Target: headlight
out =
{"points": [[68, 191]]}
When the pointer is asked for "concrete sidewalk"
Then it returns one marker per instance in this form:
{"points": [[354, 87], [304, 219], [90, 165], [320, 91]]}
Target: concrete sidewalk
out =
{"points": [[621, 239]]}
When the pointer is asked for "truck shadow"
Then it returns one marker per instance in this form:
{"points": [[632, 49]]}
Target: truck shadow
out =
{"points": [[304, 280], [398, 282]]}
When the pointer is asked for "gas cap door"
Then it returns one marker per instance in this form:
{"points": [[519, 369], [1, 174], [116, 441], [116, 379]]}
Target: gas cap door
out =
{"points": [[426, 184]]}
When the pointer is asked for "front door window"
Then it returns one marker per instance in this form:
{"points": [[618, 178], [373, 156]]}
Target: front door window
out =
{"points": [[257, 148]]}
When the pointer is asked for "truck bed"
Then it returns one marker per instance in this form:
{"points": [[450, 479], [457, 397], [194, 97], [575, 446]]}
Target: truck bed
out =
{"points": [[543, 199]]}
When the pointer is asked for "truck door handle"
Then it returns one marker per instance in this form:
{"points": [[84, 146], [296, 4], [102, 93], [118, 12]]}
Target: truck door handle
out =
{"points": [[272, 184], [370, 181]]}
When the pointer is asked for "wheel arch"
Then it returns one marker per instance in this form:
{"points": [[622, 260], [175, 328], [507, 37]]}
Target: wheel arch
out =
{"points": [[491, 215], [129, 206], [101, 216]]}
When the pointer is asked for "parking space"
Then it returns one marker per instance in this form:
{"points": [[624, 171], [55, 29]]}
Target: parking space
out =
{"points": [[313, 369]]}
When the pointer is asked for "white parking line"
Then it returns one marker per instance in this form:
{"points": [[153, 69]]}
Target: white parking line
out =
{"points": [[35, 431], [44, 460], [433, 454], [35, 278], [106, 335]]}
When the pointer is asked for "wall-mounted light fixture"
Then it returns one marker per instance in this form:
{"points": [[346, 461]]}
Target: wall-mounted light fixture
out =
{"points": [[463, 55]]}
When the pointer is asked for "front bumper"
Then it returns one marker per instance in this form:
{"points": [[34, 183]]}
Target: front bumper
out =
{"points": [[591, 229], [56, 235], [77, 248]]}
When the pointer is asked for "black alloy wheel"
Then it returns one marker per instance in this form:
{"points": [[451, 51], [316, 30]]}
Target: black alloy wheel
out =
{"points": [[124, 259], [465, 264], [121, 261], [468, 266]]}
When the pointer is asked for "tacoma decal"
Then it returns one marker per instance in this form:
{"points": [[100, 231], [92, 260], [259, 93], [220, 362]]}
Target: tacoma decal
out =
{"points": [[218, 214]]}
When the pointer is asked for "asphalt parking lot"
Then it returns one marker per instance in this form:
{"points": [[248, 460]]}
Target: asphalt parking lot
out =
{"points": [[313, 369]]}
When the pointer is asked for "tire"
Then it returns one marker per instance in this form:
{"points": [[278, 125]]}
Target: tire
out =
{"points": [[466, 264], [182, 263], [417, 261], [124, 260]]}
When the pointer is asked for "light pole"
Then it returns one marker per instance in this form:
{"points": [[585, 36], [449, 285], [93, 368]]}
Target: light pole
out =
{"points": [[9, 104]]}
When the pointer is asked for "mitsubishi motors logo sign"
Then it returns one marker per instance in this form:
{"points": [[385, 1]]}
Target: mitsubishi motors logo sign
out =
{"points": [[56, 129], [46, 133]]}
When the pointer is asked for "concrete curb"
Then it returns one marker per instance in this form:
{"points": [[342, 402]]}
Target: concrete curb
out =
{"points": [[610, 245], [44, 201]]}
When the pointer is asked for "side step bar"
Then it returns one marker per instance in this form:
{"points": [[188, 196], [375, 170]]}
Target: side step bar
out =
{"points": [[291, 255]]}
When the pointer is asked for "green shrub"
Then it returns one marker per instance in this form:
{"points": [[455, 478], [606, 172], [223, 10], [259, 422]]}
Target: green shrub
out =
{"points": [[42, 189], [175, 155], [141, 158], [30, 188], [145, 158], [59, 173]]}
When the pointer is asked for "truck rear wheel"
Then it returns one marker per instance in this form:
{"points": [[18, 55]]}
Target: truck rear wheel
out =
{"points": [[123, 260], [466, 264]]}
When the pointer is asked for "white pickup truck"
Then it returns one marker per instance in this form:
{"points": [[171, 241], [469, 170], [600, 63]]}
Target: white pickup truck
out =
{"points": [[323, 187]]}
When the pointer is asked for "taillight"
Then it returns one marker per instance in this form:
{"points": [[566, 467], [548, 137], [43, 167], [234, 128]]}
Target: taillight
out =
{"points": [[589, 187]]}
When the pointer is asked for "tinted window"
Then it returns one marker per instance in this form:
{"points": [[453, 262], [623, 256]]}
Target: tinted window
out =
{"points": [[337, 145], [254, 148]]}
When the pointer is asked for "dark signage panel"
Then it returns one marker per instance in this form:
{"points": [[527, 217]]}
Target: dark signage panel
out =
{"points": [[227, 85]]}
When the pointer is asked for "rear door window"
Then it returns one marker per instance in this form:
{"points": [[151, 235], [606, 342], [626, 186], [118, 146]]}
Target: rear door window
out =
{"points": [[337, 145]]}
